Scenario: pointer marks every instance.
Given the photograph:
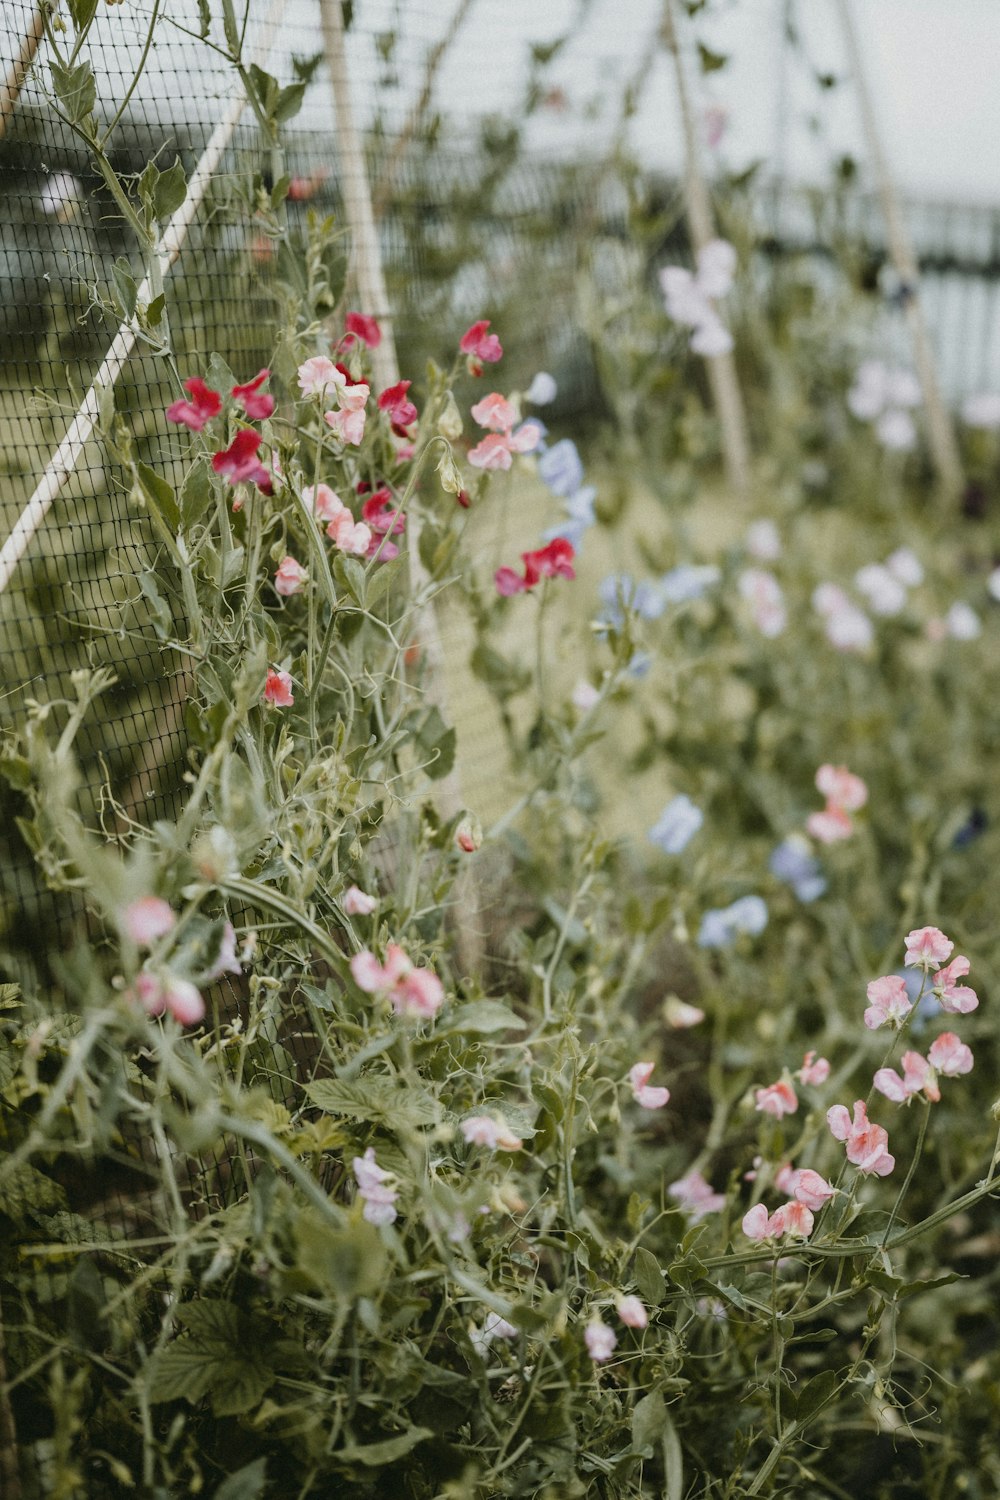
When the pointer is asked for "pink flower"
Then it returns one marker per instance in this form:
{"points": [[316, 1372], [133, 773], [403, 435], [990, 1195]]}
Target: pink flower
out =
{"points": [[696, 1196], [147, 920], [278, 689], [353, 394], [867, 1144], [793, 1219], [808, 1187], [927, 948], [649, 1098], [290, 577], [889, 1002], [318, 374], [382, 514], [483, 1130], [957, 999], [226, 961], [680, 1015], [632, 1312], [469, 835], [401, 410], [239, 462], [412, 991], [918, 1076], [841, 787], [777, 1099], [829, 826], [814, 1070], [950, 1056], [494, 452], [357, 903], [374, 1190], [495, 413], [364, 328], [348, 535], [756, 1223], [599, 1339], [348, 424], [480, 347], [167, 992], [325, 505], [763, 593], [255, 403], [203, 406]]}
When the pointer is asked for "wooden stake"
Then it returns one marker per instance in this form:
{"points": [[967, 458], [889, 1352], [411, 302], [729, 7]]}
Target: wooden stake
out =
{"points": [[721, 368], [10, 89], [940, 432]]}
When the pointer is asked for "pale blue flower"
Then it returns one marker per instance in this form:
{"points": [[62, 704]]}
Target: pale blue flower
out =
{"points": [[686, 582], [542, 389], [620, 591], [579, 517], [720, 927], [561, 468], [677, 825], [794, 862]]}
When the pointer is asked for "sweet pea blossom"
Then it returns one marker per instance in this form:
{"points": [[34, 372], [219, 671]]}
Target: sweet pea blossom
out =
{"points": [[763, 540], [918, 1077], [814, 1070], [763, 593], [239, 462], [165, 992], [982, 411], [290, 578], [225, 961], [324, 503], [962, 623], [632, 1312], [147, 920], [495, 413], [794, 862], [552, 561], [847, 627], [480, 347], [357, 903], [401, 410], [720, 927], [686, 582], [956, 999], [257, 404], [677, 825], [199, 411], [793, 1219], [884, 592], [348, 535], [950, 1056], [412, 991], [844, 793], [542, 389], [884, 394], [484, 1130], [317, 375], [866, 1143], [649, 1098], [889, 1002], [806, 1186], [689, 297], [756, 1223], [347, 423], [696, 1196], [777, 1099], [561, 469], [496, 449], [906, 567], [278, 689], [600, 1340], [585, 696], [364, 328], [374, 1189], [927, 948], [494, 1327]]}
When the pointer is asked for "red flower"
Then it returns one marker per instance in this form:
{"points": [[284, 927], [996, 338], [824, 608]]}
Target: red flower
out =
{"points": [[364, 328], [553, 561], [239, 462], [480, 347], [402, 412], [382, 514], [203, 406], [257, 406]]}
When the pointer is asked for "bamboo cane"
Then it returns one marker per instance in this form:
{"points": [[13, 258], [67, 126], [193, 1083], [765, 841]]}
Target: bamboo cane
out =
{"points": [[10, 89], [721, 368], [940, 432]]}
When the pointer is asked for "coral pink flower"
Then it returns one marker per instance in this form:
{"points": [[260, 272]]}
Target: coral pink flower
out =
{"points": [[494, 452], [793, 1219], [401, 410], [278, 689], [147, 920], [348, 424], [696, 1196], [777, 1099], [889, 1002], [830, 825], [841, 787], [317, 375], [290, 577], [357, 903], [203, 406], [353, 394], [957, 999], [756, 1223], [927, 948], [808, 1187], [650, 1098], [950, 1056], [866, 1143], [469, 835], [412, 991], [814, 1069], [495, 413], [598, 1337], [680, 1015], [480, 347], [167, 992], [364, 328], [918, 1076], [632, 1312], [348, 535], [484, 1130], [239, 462], [256, 403], [382, 514]]}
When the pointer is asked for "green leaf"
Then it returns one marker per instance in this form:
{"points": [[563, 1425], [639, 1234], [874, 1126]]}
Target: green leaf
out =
{"points": [[82, 13], [345, 1263], [76, 89], [289, 102], [484, 1017], [196, 492], [710, 61], [375, 1455], [230, 27], [169, 191], [382, 579], [124, 287], [648, 1418], [221, 1356], [814, 1395], [86, 1302], [25, 1192], [648, 1276], [246, 1484], [160, 494], [204, 19], [374, 1098], [436, 746], [154, 312]]}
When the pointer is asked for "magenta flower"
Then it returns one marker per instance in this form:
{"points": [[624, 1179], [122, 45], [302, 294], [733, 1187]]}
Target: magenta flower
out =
{"points": [[480, 347], [364, 328], [291, 577], [381, 512], [401, 410], [890, 1003], [278, 689], [814, 1070], [203, 406], [632, 1312], [649, 1098], [552, 561], [147, 920], [239, 462], [412, 991], [777, 1099], [927, 948], [867, 1144], [357, 903], [600, 1340], [256, 403], [166, 992], [950, 1056], [374, 1189]]}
